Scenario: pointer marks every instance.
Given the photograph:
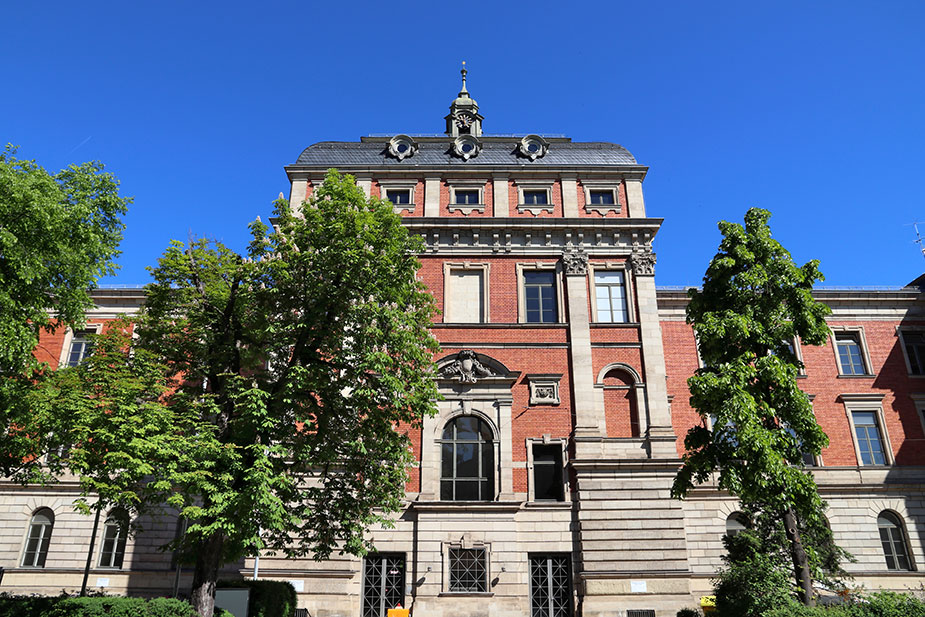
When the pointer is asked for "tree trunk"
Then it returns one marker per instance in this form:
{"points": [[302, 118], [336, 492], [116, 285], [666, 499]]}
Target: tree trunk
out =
{"points": [[800, 562], [96, 526], [208, 560]]}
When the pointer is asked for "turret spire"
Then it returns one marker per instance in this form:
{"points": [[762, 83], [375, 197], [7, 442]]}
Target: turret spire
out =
{"points": [[464, 118]]}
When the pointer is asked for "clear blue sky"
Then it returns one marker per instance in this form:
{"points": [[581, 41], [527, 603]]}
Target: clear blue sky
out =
{"points": [[814, 110]]}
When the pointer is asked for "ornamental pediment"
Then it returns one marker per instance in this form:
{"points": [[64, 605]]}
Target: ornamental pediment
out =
{"points": [[468, 367]]}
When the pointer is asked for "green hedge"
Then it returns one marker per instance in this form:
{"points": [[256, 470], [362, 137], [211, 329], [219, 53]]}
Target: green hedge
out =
{"points": [[267, 598], [63, 606]]}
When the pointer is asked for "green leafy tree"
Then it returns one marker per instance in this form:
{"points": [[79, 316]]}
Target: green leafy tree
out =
{"points": [[59, 234], [305, 357], [106, 423], [754, 303]]}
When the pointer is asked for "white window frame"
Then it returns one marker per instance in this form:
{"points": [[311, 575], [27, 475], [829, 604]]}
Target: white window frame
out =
{"points": [[900, 330], [535, 209], [602, 185], [531, 486], [465, 544], [121, 537], [858, 333], [522, 296], [398, 185], [627, 283], [93, 328], [466, 185], [868, 402], [448, 269], [919, 401]]}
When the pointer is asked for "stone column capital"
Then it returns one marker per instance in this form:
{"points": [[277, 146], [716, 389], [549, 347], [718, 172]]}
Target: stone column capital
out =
{"points": [[643, 260], [575, 263]]}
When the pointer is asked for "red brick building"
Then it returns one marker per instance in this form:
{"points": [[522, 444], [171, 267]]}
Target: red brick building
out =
{"points": [[543, 484]]}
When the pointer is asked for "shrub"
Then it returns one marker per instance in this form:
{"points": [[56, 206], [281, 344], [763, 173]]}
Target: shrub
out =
{"points": [[64, 606], [267, 598], [689, 612]]}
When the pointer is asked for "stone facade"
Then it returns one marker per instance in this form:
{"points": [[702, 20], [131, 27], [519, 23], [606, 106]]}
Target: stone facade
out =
{"points": [[557, 342]]}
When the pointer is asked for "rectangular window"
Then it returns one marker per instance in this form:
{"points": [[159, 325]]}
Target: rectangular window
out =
{"points": [[849, 353], [468, 571], [602, 197], [114, 539], [465, 302], [399, 197], [540, 297], [550, 585], [467, 196], [915, 351], [870, 443], [81, 347], [610, 296], [536, 197], [548, 484]]}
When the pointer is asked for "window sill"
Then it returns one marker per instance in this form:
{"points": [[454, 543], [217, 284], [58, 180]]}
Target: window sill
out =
{"points": [[615, 324], [466, 594], [856, 376], [557, 505], [466, 209]]}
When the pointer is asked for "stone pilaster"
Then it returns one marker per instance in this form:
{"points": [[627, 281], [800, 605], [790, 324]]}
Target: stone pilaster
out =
{"points": [[500, 205], [431, 196], [366, 184], [635, 204], [589, 419], [297, 193], [660, 434], [569, 197]]}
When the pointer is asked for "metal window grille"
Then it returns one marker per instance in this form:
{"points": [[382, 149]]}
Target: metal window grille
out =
{"points": [[610, 296], [893, 540], [467, 570], [540, 297], [383, 584], [868, 434], [640, 612], [550, 586], [849, 354]]}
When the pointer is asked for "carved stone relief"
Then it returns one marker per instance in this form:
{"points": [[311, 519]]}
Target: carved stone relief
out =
{"points": [[467, 368], [643, 260]]}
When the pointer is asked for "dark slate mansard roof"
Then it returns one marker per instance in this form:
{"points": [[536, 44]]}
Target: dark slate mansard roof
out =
{"points": [[438, 153]]}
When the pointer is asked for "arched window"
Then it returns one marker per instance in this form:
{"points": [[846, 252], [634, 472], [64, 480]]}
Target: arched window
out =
{"points": [[39, 536], [115, 532], [735, 524], [468, 469], [893, 539]]}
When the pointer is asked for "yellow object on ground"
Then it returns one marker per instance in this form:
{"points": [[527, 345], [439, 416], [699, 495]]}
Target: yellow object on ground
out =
{"points": [[707, 603], [398, 612]]}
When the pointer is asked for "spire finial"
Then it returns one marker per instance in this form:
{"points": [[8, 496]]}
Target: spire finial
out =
{"points": [[463, 73]]}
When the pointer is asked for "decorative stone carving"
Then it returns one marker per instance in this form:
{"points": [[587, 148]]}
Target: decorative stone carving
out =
{"points": [[643, 260], [467, 368], [533, 147], [466, 146], [575, 263], [402, 146], [544, 389]]}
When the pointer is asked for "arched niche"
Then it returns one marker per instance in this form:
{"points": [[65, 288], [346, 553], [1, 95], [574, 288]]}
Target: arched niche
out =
{"points": [[621, 395]]}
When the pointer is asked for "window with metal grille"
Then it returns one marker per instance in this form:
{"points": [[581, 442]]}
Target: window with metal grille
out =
{"points": [[536, 197], [893, 539], [398, 197], [467, 197], [610, 296], [81, 347], [115, 530], [602, 197], [915, 351], [40, 529], [548, 484], [467, 466], [849, 354], [467, 570], [550, 586], [540, 297], [870, 444], [640, 612], [383, 584]]}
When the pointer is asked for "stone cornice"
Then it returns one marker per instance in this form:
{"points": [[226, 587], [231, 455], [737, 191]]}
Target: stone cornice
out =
{"points": [[533, 236], [568, 172]]}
